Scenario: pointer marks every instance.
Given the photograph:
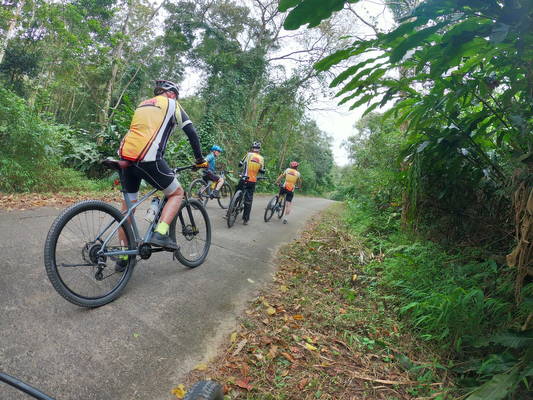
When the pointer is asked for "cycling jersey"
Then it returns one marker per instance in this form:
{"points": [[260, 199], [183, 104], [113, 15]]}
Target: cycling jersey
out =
{"points": [[291, 178], [252, 162], [210, 158], [152, 123]]}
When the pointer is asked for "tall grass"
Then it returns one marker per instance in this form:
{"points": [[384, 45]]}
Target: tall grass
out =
{"points": [[458, 300]]}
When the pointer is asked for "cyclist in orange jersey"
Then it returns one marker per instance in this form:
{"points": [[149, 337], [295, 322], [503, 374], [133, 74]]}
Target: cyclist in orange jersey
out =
{"points": [[253, 164], [293, 179]]}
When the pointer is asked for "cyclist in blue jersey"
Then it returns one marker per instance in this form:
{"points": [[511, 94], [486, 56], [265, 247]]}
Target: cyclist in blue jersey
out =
{"points": [[211, 170]]}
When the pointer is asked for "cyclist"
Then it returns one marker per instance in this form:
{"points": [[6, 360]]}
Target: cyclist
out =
{"points": [[144, 146], [210, 173], [253, 164], [293, 179]]}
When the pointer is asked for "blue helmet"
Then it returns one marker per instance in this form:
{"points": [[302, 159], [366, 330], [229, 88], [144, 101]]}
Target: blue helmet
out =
{"points": [[216, 148]]}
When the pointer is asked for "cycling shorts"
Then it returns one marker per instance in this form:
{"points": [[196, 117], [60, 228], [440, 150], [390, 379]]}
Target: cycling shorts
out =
{"points": [[288, 194], [156, 173], [211, 176]]}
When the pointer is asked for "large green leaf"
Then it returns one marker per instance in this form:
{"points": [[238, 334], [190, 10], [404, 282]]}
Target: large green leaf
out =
{"points": [[413, 40], [352, 70], [284, 5], [311, 12], [357, 81], [335, 58], [362, 101], [497, 388]]}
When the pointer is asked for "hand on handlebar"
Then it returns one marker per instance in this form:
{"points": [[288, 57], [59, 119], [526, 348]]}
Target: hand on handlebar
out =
{"points": [[200, 163]]}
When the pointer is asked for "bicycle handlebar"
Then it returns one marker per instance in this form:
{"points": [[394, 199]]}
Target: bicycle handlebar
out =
{"points": [[179, 169]]}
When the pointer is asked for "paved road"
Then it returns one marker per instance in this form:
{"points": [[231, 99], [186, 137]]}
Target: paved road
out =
{"points": [[168, 319]]}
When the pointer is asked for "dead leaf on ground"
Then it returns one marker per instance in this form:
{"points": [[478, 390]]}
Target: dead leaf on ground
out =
{"points": [[239, 347], [310, 347], [179, 391], [244, 383], [288, 356], [201, 367], [303, 383]]}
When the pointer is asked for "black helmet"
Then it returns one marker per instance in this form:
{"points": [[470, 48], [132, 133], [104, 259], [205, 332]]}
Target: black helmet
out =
{"points": [[256, 145], [162, 86]]}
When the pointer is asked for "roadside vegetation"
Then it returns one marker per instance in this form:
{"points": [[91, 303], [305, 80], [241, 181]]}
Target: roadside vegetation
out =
{"points": [[325, 329], [72, 74]]}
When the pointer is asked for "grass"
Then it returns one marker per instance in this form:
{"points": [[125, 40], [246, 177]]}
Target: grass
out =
{"points": [[323, 330]]}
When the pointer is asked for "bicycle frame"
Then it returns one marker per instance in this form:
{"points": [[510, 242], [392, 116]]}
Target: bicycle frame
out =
{"points": [[131, 206], [129, 213]]}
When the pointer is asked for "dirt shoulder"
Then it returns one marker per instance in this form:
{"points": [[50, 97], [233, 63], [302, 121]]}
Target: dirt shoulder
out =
{"points": [[322, 330], [25, 201]]}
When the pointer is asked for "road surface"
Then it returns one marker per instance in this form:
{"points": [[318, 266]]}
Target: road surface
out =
{"points": [[169, 318]]}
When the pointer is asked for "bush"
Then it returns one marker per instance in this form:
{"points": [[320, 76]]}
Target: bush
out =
{"points": [[30, 158]]}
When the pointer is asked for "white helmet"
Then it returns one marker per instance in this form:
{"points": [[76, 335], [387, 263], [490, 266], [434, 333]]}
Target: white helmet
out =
{"points": [[162, 86]]}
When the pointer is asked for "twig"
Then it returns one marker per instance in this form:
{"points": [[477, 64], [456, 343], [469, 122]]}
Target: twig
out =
{"points": [[384, 381]]}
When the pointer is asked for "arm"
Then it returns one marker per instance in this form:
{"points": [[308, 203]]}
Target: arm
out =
{"points": [[299, 182], [279, 178]]}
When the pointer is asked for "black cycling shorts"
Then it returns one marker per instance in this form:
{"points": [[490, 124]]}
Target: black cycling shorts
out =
{"points": [[288, 194], [156, 173], [210, 176]]}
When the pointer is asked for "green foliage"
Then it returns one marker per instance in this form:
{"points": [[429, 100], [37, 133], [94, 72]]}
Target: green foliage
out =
{"points": [[309, 11], [463, 97], [29, 159], [457, 300]]}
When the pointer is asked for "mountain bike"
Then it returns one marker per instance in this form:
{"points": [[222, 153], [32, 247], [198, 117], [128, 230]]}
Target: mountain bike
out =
{"points": [[202, 189], [202, 390], [236, 205], [275, 205], [83, 244]]}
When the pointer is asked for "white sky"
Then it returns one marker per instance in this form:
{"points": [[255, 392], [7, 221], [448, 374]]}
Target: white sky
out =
{"points": [[337, 121], [339, 124]]}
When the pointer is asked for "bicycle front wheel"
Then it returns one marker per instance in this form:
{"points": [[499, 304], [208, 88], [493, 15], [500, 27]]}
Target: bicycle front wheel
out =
{"points": [[191, 229], [269, 210], [234, 208], [198, 190], [225, 196], [71, 254]]}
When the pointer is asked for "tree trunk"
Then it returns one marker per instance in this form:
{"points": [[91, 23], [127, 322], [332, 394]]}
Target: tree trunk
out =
{"points": [[522, 256], [116, 57]]}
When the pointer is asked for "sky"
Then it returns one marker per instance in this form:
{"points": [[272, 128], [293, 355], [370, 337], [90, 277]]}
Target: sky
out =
{"points": [[337, 121]]}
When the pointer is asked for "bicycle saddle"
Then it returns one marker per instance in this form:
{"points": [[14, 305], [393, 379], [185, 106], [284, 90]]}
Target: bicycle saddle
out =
{"points": [[116, 164]]}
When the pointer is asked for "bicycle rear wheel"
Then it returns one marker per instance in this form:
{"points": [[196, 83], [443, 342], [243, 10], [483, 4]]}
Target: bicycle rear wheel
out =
{"points": [[234, 208], [191, 229], [198, 190], [281, 207], [225, 196], [269, 210], [70, 254]]}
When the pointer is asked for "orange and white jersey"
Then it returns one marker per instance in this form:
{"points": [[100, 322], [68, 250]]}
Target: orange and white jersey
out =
{"points": [[291, 178], [151, 126], [253, 162]]}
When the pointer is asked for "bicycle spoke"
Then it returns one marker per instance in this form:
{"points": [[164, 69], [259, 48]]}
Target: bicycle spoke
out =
{"points": [[192, 233], [76, 249]]}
